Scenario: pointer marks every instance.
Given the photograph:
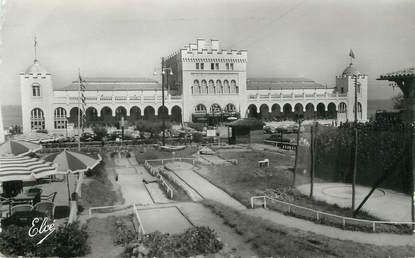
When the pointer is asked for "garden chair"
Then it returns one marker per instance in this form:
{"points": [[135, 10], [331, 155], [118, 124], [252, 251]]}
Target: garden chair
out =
{"points": [[49, 197], [45, 207], [21, 207]]}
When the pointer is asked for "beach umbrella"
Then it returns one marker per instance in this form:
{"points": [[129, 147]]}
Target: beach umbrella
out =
{"points": [[72, 161], [37, 137], [25, 168], [18, 148]]}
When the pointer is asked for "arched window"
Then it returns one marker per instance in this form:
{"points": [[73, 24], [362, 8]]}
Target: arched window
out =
{"points": [[200, 108], [218, 88], [233, 86], [204, 87], [215, 109], [230, 108], [37, 119], [196, 87], [211, 89], [342, 107], [226, 89], [36, 89], [60, 118]]}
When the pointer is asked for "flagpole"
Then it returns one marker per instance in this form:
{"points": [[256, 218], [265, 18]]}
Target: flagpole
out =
{"points": [[79, 111]]}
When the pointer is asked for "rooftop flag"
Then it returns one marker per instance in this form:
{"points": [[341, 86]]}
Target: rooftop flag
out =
{"points": [[351, 54], [82, 88]]}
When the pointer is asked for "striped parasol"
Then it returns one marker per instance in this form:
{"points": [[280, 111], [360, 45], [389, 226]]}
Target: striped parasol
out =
{"points": [[37, 137], [18, 148], [73, 162], [25, 168]]}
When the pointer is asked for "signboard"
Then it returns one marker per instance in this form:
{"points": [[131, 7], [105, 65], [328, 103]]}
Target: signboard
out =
{"points": [[211, 133]]}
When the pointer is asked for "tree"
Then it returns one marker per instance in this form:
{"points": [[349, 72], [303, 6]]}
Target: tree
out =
{"points": [[100, 132], [402, 103], [12, 188]]}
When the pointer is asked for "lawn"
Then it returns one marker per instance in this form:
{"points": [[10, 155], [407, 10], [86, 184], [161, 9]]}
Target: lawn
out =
{"points": [[98, 190], [244, 180], [270, 240], [108, 236]]}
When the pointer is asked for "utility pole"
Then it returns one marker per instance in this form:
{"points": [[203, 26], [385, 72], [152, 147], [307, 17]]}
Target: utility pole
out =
{"points": [[296, 150], [355, 144], [163, 141], [312, 153]]}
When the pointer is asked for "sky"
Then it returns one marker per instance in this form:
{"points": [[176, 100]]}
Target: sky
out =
{"points": [[127, 38]]}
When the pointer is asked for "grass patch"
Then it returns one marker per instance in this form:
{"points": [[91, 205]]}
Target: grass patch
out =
{"points": [[244, 180], [98, 189], [268, 239]]}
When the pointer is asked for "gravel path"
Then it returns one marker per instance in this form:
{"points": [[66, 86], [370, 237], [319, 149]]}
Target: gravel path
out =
{"points": [[206, 189], [362, 237], [384, 204]]}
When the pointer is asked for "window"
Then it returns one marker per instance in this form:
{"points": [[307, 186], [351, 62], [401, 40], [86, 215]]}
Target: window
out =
{"points": [[212, 66], [219, 88], [211, 89], [60, 118], [227, 66], [341, 90], [37, 119], [197, 66], [231, 66], [342, 107], [233, 87], [215, 109], [36, 89], [200, 108], [217, 66], [226, 87], [204, 87], [202, 66], [230, 108]]}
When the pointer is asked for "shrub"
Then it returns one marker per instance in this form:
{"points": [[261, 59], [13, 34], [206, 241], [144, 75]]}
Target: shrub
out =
{"points": [[198, 137], [124, 234], [197, 126], [194, 241], [71, 241], [66, 241], [100, 132]]}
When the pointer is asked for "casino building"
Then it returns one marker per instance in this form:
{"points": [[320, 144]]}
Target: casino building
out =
{"points": [[205, 83]]}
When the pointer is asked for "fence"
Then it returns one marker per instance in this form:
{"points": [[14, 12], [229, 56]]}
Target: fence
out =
{"points": [[106, 209], [334, 220], [163, 183], [282, 145], [138, 224]]}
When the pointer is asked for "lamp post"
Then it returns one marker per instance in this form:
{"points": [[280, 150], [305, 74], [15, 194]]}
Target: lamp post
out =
{"points": [[164, 71], [356, 84]]}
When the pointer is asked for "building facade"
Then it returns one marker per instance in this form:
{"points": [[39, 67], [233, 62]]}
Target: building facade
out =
{"points": [[207, 84]]}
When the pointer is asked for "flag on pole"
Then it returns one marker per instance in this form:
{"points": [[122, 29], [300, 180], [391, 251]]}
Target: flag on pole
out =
{"points": [[351, 54], [35, 45], [82, 88]]}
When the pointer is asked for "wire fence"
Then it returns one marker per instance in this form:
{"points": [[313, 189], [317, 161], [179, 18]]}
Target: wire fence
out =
{"points": [[320, 217]]}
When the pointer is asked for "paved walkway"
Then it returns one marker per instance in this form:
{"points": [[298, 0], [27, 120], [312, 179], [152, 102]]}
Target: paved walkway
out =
{"points": [[384, 204], [132, 187], [333, 232], [206, 189]]}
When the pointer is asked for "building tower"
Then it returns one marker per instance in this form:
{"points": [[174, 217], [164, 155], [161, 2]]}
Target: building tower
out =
{"points": [[345, 86], [36, 97]]}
